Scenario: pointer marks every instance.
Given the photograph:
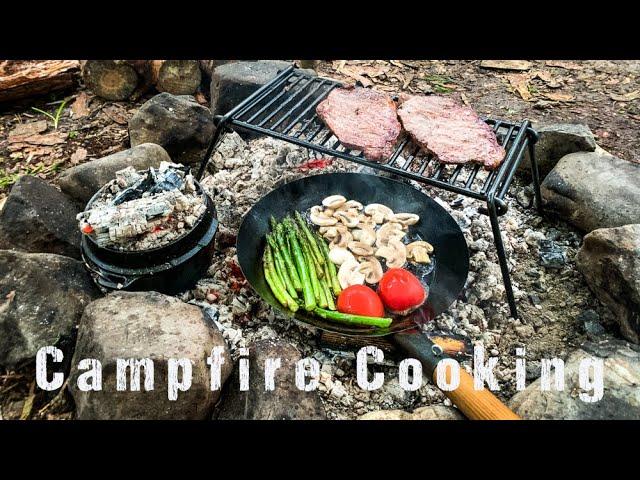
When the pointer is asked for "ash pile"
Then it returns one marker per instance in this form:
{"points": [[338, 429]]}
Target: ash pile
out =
{"points": [[144, 210]]}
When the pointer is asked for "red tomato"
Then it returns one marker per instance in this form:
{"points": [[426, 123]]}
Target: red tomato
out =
{"points": [[360, 300], [401, 291]]}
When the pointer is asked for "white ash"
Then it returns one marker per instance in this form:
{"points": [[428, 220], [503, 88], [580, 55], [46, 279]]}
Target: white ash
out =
{"points": [[159, 217], [244, 172]]}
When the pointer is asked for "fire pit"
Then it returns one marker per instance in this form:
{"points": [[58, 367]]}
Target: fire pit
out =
{"points": [[149, 230]]}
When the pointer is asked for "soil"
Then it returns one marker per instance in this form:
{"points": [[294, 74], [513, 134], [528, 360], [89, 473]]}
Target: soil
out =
{"points": [[602, 94]]}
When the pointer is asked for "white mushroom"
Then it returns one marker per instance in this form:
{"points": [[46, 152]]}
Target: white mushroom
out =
{"points": [[350, 205], [342, 238], [334, 201], [394, 253], [388, 231], [317, 217], [372, 270], [360, 248], [340, 255], [349, 218], [405, 219], [419, 251], [366, 221], [378, 212], [349, 274], [364, 234]]}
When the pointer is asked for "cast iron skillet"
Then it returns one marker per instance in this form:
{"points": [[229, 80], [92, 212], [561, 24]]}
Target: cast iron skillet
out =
{"points": [[444, 283]]}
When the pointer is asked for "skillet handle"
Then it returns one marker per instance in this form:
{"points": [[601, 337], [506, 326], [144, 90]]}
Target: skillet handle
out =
{"points": [[474, 404]]}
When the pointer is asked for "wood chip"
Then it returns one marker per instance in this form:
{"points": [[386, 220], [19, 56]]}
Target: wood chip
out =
{"points": [[563, 64], [518, 65], [559, 96], [78, 156], [17, 142], [626, 97], [520, 83], [80, 108], [31, 128]]}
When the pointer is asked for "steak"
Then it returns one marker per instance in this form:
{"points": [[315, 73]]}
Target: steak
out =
{"points": [[452, 132], [362, 119]]}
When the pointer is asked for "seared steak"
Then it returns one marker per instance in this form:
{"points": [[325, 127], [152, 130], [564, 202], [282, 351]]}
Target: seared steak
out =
{"points": [[452, 132], [362, 119]]}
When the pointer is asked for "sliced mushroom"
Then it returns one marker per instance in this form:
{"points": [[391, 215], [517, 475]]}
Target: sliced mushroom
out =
{"points": [[387, 232], [366, 221], [349, 218], [378, 212], [334, 201], [405, 219], [340, 255], [364, 234], [372, 270], [394, 253], [419, 251], [349, 274], [318, 217], [360, 248], [342, 238]]}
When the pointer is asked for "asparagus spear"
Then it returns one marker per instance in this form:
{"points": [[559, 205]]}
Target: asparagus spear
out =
{"points": [[312, 270], [287, 256], [304, 242], [307, 289], [309, 237], [353, 319], [270, 268], [280, 267], [333, 274], [327, 292]]}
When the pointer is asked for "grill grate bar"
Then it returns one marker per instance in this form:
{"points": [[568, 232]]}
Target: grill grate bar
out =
{"points": [[303, 113], [286, 102]]}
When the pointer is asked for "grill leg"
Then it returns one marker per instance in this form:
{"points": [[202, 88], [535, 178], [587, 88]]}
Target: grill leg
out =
{"points": [[535, 174], [212, 145], [502, 258]]}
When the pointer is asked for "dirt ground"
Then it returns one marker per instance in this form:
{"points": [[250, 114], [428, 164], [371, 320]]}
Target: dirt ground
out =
{"points": [[603, 94]]}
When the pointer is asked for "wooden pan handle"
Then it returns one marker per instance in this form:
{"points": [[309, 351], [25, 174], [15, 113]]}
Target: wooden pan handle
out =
{"points": [[477, 404]]}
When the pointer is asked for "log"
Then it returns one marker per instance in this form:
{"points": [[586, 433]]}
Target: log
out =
{"points": [[21, 79], [111, 79], [178, 77]]}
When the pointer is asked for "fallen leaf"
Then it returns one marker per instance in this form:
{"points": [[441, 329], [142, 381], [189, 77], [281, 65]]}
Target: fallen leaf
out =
{"points": [[626, 97], [80, 108], [520, 83], [464, 99], [519, 65], [563, 64], [17, 142], [409, 78], [543, 75], [30, 128], [355, 75], [116, 113], [78, 156], [559, 96]]}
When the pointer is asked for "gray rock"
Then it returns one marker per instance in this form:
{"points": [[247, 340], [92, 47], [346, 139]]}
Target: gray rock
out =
{"points": [[176, 122], [609, 259], [621, 398], [83, 181], [146, 325], [233, 82], [589, 322], [285, 402], [432, 412], [593, 190], [557, 140], [42, 297], [37, 217], [551, 254]]}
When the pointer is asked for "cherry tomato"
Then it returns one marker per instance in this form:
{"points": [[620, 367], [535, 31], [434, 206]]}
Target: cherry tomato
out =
{"points": [[360, 300], [401, 291]]}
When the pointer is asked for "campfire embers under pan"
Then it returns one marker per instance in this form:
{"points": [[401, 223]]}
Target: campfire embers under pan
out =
{"points": [[149, 230]]}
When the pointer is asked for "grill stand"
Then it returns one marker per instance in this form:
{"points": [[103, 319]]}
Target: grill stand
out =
{"points": [[498, 181]]}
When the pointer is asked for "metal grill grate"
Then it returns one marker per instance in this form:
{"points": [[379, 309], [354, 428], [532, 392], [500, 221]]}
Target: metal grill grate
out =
{"points": [[286, 109]]}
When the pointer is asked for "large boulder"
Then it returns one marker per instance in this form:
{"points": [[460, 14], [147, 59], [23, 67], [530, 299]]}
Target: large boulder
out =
{"points": [[233, 82], [83, 181], [621, 400], [555, 141], [609, 259], [37, 217], [176, 122], [42, 297], [594, 190], [285, 402], [431, 412], [149, 325]]}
